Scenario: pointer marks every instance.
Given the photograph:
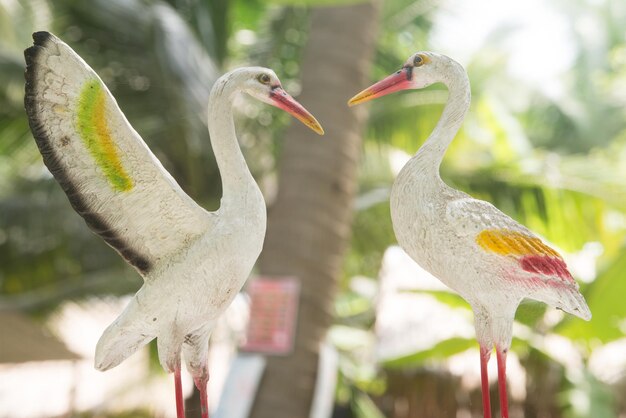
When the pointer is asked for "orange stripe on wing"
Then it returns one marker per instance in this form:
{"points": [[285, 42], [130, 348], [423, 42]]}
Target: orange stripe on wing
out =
{"points": [[534, 256], [505, 242]]}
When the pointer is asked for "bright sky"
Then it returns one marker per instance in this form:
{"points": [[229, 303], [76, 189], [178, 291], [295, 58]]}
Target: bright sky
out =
{"points": [[539, 38]]}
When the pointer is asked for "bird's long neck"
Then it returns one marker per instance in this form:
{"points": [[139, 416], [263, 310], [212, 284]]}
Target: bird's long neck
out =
{"points": [[237, 181], [431, 153]]}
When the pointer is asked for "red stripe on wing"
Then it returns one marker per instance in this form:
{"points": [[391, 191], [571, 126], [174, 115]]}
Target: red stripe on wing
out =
{"points": [[549, 266]]}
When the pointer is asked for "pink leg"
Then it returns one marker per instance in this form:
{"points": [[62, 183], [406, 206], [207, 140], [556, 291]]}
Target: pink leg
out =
{"points": [[201, 383], [504, 402], [485, 353], [180, 405]]}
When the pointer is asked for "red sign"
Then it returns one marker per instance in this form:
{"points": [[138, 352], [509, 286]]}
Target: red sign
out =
{"points": [[273, 314]]}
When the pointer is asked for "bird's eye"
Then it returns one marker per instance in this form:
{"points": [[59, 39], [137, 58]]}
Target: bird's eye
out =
{"points": [[418, 60], [263, 78]]}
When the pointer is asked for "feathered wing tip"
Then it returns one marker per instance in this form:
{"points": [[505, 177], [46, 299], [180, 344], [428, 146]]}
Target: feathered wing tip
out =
{"points": [[127, 334], [566, 298], [578, 305]]}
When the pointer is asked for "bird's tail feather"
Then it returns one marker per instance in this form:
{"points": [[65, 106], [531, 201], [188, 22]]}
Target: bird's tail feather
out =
{"points": [[568, 299], [122, 338]]}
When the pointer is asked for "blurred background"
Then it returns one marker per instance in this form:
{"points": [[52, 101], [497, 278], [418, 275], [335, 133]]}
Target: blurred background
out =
{"points": [[545, 141]]}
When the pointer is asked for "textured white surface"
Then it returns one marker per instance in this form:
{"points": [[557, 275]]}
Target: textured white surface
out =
{"points": [[437, 225], [193, 262], [184, 295]]}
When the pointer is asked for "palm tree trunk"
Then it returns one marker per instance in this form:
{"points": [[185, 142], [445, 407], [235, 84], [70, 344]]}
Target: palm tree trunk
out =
{"points": [[309, 223]]}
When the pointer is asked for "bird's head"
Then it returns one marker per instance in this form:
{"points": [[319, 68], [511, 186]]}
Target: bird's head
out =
{"points": [[420, 70], [263, 84]]}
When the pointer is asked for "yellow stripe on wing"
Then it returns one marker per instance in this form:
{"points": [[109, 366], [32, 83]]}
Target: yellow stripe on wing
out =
{"points": [[505, 242], [94, 131]]}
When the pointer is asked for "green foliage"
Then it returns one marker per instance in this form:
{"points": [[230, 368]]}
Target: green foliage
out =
{"points": [[372, 234], [316, 3], [439, 351], [606, 301], [453, 300], [364, 407], [584, 396], [135, 413], [348, 305]]}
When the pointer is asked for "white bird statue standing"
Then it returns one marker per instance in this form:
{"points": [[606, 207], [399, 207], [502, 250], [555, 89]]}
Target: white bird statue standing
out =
{"points": [[492, 261], [193, 262]]}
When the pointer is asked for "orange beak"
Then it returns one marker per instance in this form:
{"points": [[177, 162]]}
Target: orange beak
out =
{"points": [[400, 80], [281, 99]]}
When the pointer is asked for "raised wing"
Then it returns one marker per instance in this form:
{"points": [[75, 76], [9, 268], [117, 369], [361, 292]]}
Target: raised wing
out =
{"points": [[496, 233], [110, 176]]}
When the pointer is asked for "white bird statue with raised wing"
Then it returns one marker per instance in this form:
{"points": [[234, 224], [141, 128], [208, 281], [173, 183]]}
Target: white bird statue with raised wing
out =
{"points": [[492, 261], [193, 262]]}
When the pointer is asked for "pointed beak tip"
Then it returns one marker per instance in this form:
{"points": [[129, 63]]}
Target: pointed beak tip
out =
{"points": [[287, 103], [358, 99], [317, 129], [311, 123]]}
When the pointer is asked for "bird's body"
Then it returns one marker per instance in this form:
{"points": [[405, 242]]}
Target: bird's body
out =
{"points": [[491, 260], [192, 287], [193, 262]]}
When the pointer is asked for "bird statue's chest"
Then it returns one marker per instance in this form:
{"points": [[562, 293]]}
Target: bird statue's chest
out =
{"points": [[418, 214], [241, 235], [219, 262], [240, 231]]}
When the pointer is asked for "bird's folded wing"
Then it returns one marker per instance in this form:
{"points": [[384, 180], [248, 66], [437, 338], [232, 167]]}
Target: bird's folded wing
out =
{"points": [[495, 233], [108, 173]]}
